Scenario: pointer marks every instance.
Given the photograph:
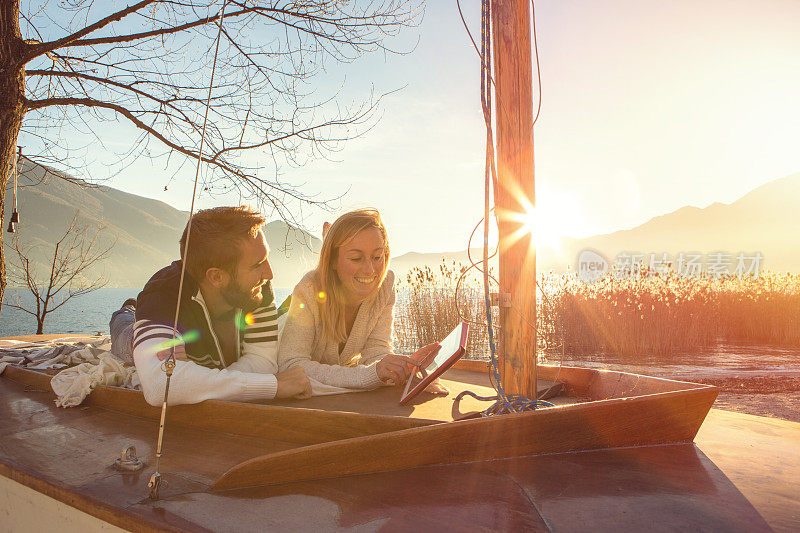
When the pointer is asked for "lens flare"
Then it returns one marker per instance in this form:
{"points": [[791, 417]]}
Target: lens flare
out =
{"points": [[186, 338], [243, 320], [321, 296], [532, 225]]}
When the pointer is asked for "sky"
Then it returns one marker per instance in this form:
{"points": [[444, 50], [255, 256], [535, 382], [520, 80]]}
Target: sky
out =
{"points": [[646, 107]]}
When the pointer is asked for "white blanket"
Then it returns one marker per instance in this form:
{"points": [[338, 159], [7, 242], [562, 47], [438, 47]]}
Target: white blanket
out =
{"points": [[96, 365], [72, 385]]}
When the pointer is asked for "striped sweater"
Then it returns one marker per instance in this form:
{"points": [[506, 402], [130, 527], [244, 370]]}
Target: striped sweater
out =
{"points": [[209, 374]]}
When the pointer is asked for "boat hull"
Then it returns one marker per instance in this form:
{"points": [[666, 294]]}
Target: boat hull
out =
{"points": [[66, 455]]}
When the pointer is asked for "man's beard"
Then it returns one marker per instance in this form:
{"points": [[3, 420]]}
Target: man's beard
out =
{"points": [[237, 296]]}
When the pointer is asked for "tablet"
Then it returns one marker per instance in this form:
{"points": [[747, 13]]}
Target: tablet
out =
{"points": [[453, 349]]}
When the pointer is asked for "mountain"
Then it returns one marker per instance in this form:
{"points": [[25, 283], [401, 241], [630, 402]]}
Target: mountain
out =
{"points": [[402, 264], [765, 220], [146, 231]]}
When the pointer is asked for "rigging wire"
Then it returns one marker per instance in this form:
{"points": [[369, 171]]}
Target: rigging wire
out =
{"points": [[538, 70], [169, 365]]}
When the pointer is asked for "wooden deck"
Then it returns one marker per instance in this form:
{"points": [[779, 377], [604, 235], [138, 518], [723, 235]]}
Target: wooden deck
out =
{"points": [[739, 475]]}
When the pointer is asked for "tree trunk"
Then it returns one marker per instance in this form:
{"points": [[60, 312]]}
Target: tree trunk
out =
{"points": [[12, 106], [39, 325]]}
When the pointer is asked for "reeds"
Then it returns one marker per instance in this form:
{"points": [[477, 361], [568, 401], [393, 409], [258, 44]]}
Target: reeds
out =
{"points": [[638, 316], [426, 309]]}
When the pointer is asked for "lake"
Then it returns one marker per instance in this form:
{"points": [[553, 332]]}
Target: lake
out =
{"points": [[89, 313]]}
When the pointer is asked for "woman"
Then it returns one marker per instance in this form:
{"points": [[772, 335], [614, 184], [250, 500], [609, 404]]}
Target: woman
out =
{"points": [[339, 325]]}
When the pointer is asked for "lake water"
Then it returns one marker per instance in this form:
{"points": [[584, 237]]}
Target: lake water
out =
{"points": [[717, 361], [89, 313]]}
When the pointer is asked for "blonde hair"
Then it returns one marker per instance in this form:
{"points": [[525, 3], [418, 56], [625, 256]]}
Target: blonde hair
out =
{"points": [[332, 293]]}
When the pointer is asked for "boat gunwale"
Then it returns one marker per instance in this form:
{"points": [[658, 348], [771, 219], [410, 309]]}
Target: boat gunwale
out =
{"points": [[341, 449], [41, 381]]}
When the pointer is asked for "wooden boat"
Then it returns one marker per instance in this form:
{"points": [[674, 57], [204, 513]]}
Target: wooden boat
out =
{"points": [[615, 452], [327, 433], [361, 460]]}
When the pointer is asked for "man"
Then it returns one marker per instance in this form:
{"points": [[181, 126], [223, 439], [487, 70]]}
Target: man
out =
{"points": [[227, 322]]}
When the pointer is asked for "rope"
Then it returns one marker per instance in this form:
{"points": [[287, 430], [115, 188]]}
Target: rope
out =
{"points": [[504, 403], [169, 364]]}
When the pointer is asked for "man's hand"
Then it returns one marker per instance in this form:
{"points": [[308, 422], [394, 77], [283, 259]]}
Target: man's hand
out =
{"points": [[293, 383]]}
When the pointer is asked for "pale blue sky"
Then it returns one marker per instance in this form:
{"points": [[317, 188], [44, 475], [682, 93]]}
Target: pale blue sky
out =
{"points": [[647, 106]]}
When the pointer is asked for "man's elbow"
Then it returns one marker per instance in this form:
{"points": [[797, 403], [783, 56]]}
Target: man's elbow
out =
{"points": [[153, 382], [153, 393]]}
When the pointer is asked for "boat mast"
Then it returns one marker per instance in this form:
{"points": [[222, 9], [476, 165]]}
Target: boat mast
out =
{"points": [[514, 135]]}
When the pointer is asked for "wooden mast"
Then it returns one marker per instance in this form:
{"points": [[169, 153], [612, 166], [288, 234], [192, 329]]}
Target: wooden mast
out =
{"points": [[515, 191]]}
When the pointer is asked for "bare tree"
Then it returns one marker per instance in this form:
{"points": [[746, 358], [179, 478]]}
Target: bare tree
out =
{"points": [[76, 252], [150, 64]]}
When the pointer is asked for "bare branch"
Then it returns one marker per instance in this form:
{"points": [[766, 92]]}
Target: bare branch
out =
{"points": [[43, 48], [158, 32]]}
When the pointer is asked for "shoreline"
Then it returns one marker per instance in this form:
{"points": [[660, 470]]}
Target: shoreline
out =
{"points": [[773, 397]]}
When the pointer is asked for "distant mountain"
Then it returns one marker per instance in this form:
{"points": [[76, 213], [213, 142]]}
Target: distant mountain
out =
{"points": [[766, 220], [403, 264], [146, 231]]}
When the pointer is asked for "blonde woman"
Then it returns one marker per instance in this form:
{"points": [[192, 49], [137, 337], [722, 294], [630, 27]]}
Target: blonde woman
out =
{"points": [[339, 326]]}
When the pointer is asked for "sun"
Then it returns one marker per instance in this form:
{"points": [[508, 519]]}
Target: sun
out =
{"points": [[535, 222], [556, 217]]}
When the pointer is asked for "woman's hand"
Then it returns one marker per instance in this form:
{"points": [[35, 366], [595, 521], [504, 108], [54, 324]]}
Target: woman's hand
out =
{"points": [[293, 383], [394, 369], [425, 355], [437, 388]]}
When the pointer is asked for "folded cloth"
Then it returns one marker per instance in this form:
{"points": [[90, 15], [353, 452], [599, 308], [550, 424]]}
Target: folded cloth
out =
{"points": [[53, 351], [73, 385], [9, 360], [96, 365]]}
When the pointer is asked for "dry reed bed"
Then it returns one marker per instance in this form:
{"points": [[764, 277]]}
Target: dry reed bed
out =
{"points": [[642, 315]]}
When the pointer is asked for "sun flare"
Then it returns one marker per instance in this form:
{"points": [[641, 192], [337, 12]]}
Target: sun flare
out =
{"points": [[537, 223]]}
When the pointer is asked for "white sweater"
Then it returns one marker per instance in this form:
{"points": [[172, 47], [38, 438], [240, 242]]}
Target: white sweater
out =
{"points": [[303, 343], [251, 377]]}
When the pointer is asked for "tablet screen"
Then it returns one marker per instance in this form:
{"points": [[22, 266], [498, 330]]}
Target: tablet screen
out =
{"points": [[450, 345], [452, 348]]}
